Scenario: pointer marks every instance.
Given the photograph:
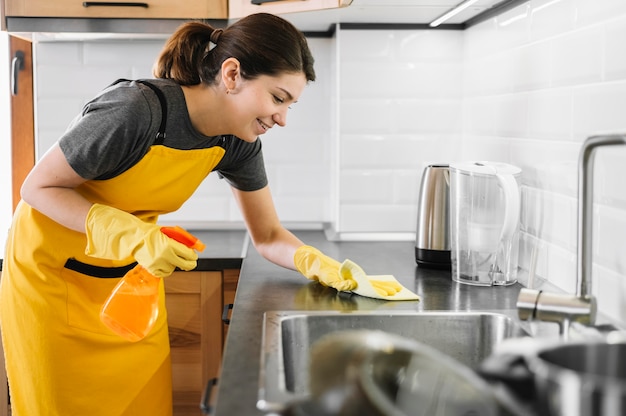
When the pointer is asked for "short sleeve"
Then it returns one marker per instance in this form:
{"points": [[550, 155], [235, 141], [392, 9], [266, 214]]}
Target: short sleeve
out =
{"points": [[243, 166], [111, 133]]}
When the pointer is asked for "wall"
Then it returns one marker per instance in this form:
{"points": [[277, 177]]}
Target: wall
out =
{"points": [[538, 80], [400, 109], [6, 203]]}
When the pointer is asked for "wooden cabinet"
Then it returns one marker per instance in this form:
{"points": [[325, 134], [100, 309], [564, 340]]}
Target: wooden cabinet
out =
{"points": [[240, 8], [148, 9], [195, 301]]}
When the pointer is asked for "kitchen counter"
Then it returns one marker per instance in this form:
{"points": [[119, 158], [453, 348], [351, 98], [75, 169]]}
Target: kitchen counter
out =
{"points": [[264, 286], [224, 249]]}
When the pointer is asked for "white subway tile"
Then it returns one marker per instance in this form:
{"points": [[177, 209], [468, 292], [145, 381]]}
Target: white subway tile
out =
{"points": [[615, 58], [369, 116], [512, 115], [551, 17], [122, 53], [68, 54], [479, 114], [577, 57], [376, 218], [366, 45], [302, 209], [534, 67], [550, 114], [366, 186], [513, 27], [598, 108], [440, 116], [609, 244], [406, 185], [428, 45], [57, 113], [609, 287], [397, 152], [301, 180], [593, 12], [548, 164]]}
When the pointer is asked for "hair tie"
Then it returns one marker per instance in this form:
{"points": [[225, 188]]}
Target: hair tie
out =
{"points": [[215, 35]]}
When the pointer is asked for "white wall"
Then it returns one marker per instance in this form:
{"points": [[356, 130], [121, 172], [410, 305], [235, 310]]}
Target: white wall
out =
{"points": [[6, 204], [400, 109], [538, 80]]}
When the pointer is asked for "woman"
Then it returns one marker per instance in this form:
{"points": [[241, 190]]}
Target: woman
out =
{"points": [[90, 205]]}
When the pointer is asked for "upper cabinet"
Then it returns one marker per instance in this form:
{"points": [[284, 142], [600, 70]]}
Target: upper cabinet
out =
{"points": [[150, 9], [240, 8]]}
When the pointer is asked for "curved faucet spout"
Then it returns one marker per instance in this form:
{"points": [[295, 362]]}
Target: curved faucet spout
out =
{"points": [[581, 307], [585, 208]]}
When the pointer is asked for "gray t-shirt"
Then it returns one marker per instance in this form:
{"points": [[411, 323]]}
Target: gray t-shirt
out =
{"points": [[116, 129]]}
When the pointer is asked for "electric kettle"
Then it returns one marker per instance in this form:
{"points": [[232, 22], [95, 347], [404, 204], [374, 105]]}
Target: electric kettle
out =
{"points": [[432, 242], [484, 222]]}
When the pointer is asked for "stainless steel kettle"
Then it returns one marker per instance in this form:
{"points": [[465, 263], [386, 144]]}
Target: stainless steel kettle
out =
{"points": [[432, 243]]}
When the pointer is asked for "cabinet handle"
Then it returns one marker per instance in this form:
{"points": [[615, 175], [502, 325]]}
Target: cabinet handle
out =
{"points": [[205, 404], [17, 65], [260, 2], [114, 4], [225, 318]]}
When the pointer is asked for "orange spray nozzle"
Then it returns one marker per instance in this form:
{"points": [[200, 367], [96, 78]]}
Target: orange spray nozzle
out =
{"points": [[183, 236]]}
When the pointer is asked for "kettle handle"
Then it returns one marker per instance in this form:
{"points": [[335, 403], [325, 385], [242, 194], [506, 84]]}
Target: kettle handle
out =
{"points": [[511, 205]]}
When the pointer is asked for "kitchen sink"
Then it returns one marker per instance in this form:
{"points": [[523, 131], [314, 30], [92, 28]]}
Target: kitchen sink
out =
{"points": [[468, 337]]}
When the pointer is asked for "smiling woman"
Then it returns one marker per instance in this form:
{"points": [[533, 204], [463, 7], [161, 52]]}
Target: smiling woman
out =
{"points": [[90, 205]]}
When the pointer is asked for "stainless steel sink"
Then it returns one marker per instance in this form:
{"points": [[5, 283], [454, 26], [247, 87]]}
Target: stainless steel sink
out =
{"points": [[468, 337]]}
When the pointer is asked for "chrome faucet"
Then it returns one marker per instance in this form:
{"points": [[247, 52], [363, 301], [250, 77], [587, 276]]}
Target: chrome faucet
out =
{"points": [[581, 307]]}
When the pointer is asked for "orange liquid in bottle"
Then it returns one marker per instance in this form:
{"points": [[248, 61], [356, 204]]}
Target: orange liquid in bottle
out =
{"points": [[132, 309]]}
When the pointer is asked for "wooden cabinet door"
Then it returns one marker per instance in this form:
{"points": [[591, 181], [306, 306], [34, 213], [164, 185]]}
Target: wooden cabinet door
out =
{"points": [[22, 114], [163, 9], [240, 8], [194, 303]]}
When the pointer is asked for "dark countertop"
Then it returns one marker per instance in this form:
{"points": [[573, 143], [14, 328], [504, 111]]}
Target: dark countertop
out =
{"points": [[264, 286], [224, 249]]}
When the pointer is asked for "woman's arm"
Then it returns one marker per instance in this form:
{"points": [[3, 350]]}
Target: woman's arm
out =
{"points": [[49, 188], [270, 238]]}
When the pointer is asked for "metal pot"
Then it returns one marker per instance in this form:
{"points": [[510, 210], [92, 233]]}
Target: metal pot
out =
{"points": [[583, 379], [566, 378]]}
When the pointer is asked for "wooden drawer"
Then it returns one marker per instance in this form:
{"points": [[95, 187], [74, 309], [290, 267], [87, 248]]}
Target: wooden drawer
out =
{"points": [[159, 9]]}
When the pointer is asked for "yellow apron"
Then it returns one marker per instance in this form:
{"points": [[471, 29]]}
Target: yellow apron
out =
{"points": [[61, 360]]}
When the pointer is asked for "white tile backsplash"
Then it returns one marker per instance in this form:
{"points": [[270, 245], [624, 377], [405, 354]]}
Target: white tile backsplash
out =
{"points": [[526, 87]]}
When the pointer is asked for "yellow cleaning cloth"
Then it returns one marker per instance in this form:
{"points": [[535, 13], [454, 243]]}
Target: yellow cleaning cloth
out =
{"points": [[377, 287]]}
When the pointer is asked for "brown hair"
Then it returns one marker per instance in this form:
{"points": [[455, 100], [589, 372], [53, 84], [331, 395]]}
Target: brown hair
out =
{"points": [[263, 43]]}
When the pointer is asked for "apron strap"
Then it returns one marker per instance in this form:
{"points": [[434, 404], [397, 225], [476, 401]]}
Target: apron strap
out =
{"points": [[160, 136]]}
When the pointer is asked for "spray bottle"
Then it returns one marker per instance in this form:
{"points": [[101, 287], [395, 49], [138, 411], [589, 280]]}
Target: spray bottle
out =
{"points": [[133, 307]]}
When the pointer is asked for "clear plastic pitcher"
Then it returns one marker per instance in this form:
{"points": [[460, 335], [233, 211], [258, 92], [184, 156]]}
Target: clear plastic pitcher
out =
{"points": [[484, 222]]}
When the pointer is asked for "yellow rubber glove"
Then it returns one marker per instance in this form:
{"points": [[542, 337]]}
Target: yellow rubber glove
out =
{"points": [[117, 235], [315, 265]]}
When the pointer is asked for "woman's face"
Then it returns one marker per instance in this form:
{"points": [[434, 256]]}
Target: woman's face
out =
{"points": [[261, 103]]}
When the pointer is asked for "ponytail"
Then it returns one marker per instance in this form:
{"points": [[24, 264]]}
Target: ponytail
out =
{"points": [[183, 52], [263, 43]]}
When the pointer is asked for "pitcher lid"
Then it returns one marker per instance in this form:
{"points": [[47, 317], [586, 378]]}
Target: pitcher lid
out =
{"points": [[486, 168]]}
